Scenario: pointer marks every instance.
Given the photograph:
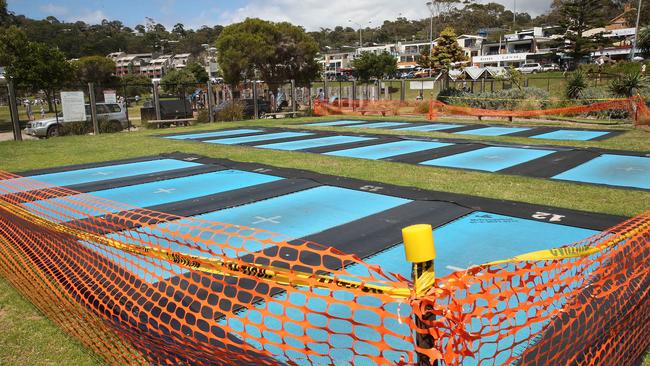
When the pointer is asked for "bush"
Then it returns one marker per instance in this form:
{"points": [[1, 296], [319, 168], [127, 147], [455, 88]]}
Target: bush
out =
{"points": [[106, 126], [203, 116], [575, 85], [74, 128], [232, 112], [627, 85], [448, 95], [595, 95], [509, 99]]}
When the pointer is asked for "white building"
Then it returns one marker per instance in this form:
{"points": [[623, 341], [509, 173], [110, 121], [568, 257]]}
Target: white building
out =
{"points": [[514, 49]]}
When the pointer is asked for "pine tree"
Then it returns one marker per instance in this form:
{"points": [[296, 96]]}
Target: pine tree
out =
{"points": [[446, 51]]}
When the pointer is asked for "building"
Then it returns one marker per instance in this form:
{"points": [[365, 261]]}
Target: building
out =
{"points": [[181, 60], [130, 64], [337, 63], [158, 67], [470, 44], [516, 48]]}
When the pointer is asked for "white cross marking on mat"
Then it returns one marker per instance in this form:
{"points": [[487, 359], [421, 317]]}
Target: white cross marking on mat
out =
{"points": [[165, 190], [631, 169], [273, 220], [102, 173]]}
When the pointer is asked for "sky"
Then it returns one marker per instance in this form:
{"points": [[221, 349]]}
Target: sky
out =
{"points": [[311, 14]]}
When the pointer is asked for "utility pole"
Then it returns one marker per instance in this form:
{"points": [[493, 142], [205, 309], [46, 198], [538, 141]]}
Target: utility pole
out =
{"points": [[431, 10], [636, 30], [514, 15]]}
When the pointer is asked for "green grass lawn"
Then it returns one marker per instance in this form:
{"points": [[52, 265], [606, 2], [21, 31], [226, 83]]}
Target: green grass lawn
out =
{"points": [[28, 338]]}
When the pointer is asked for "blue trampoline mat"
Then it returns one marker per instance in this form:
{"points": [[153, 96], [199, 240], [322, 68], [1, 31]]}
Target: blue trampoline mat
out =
{"points": [[474, 239], [265, 137], [337, 123], [389, 149], [493, 131], [431, 127], [576, 135], [489, 159], [313, 143], [104, 173], [615, 170], [379, 125], [478, 238], [212, 134], [293, 215], [155, 193]]}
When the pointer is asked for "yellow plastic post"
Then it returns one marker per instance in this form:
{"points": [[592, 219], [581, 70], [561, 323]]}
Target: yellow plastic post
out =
{"points": [[421, 252], [418, 243]]}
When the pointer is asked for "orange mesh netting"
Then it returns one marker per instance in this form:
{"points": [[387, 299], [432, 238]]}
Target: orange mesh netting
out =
{"points": [[139, 287], [635, 106]]}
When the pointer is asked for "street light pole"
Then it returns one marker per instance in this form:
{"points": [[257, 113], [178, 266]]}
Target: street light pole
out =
{"points": [[359, 25], [636, 30], [430, 7]]}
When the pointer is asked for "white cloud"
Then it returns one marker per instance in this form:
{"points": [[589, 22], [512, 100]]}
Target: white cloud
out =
{"points": [[90, 17], [314, 14], [53, 9]]}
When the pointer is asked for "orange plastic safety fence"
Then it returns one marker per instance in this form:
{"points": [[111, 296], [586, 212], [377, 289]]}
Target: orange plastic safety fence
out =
{"points": [[139, 287], [635, 106], [591, 310]]}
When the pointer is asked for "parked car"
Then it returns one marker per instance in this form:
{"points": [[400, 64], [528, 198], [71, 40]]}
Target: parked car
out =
{"points": [[114, 113], [530, 68], [407, 75], [249, 108], [551, 67], [424, 73], [169, 109]]}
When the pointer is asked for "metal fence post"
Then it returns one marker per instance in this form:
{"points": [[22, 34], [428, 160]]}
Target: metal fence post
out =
{"points": [[354, 95], [255, 106], [156, 99], [93, 108], [126, 106], [210, 102], [13, 109], [402, 94], [293, 95]]}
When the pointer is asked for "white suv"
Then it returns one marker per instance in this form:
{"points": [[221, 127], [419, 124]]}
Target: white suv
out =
{"points": [[114, 114], [530, 68]]}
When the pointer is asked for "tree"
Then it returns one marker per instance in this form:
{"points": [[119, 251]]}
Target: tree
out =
{"points": [[34, 65], [276, 52], [644, 40], [628, 84], [578, 16], [136, 84], [446, 51], [178, 82], [370, 65], [198, 71], [95, 69]]}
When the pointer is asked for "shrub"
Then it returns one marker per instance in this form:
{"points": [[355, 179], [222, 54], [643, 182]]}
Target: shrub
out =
{"points": [[575, 85], [627, 84], [448, 95], [203, 116], [595, 95], [508, 99], [74, 128], [232, 112], [106, 126]]}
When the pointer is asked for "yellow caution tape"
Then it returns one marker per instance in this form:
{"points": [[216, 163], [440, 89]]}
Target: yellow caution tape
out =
{"points": [[569, 252], [212, 265]]}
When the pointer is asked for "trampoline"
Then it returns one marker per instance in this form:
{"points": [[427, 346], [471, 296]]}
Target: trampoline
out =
{"points": [[624, 169], [551, 133], [358, 217]]}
